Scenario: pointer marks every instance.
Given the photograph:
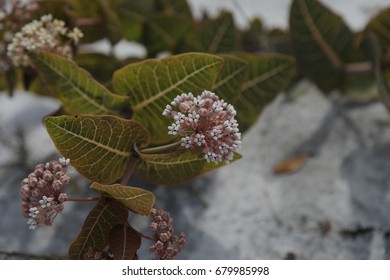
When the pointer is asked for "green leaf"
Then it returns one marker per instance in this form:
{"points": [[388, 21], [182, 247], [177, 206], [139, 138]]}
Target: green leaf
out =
{"points": [[216, 36], [101, 66], [111, 20], [164, 32], [137, 200], [124, 241], [91, 11], [174, 7], [99, 147], [253, 37], [380, 26], [133, 14], [96, 229], [268, 75], [152, 84], [174, 168], [75, 87], [231, 77], [322, 42]]}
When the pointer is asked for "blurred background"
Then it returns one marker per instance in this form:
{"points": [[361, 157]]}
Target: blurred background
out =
{"points": [[332, 201]]}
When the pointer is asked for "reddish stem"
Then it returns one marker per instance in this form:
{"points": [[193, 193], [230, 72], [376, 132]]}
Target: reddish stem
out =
{"points": [[129, 171], [141, 234], [83, 199]]}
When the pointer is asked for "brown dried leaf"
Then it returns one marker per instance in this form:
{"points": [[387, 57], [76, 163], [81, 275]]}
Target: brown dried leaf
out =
{"points": [[290, 165]]}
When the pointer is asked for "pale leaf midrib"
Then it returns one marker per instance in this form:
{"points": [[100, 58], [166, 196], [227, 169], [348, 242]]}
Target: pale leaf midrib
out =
{"points": [[146, 102], [328, 51], [265, 76], [108, 148], [229, 77], [166, 36], [124, 242], [75, 86], [90, 231], [133, 197], [219, 36], [173, 162]]}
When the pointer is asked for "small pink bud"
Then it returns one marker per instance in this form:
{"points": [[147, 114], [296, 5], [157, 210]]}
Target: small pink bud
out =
{"points": [[65, 179], [62, 197], [57, 185], [35, 193], [38, 172], [153, 212], [184, 107], [59, 174], [162, 225], [40, 166], [57, 167], [33, 181], [159, 245], [164, 237], [157, 218], [153, 226], [42, 183], [48, 176]]}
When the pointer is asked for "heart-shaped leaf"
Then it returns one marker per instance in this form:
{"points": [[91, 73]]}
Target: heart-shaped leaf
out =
{"points": [[94, 234], [176, 167], [101, 66], [322, 42], [231, 77], [94, 15], [124, 241], [111, 20], [152, 84], [268, 75], [75, 87], [175, 7], [137, 200], [164, 32], [99, 147], [216, 36]]}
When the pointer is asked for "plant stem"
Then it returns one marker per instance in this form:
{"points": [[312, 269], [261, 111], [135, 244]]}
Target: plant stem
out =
{"points": [[87, 21], [129, 171], [141, 234], [160, 148], [358, 68], [83, 199], [145, 236]]}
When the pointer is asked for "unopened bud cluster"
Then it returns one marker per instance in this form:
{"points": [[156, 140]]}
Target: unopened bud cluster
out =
{"points": [[206, 123], [42, 192], [45, 34], [167, 245]]}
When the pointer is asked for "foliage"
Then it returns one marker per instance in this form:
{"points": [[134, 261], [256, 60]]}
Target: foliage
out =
{"points": [[111, 122]]}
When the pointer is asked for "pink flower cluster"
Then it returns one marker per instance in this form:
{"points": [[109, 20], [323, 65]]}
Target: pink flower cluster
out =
{"points": [[206, 123], [167, 244], [41, 192]]}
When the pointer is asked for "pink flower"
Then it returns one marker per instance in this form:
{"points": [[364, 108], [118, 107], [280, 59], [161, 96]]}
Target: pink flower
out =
{"points": [[41, 192], [206, 123], [167, 245]]}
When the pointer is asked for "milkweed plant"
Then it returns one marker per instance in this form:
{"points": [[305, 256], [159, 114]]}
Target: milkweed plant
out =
{"points": [[165, 121]]}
